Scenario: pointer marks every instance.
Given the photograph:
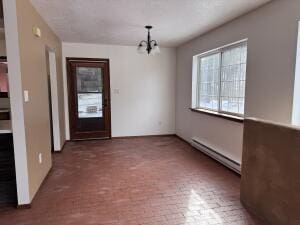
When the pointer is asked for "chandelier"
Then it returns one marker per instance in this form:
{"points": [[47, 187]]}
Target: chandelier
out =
{"points": [[149, 46]]}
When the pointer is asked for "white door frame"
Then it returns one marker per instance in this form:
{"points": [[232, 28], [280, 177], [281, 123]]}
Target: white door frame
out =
{"points": [[296, 97], [54, 100]]}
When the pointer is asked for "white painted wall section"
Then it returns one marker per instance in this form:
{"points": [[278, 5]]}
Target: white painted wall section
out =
{"points": [[142, 88], [270, 85]]}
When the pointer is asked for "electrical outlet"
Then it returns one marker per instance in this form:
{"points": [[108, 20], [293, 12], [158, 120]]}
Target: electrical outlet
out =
{"points": [[40, 158]]}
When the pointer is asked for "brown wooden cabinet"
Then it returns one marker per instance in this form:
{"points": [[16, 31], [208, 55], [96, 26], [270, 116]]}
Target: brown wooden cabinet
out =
{"points": [[8, 189], [4, 116]]}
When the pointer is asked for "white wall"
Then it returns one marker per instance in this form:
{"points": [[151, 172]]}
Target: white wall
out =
{"points": [[272, 39], [145, 104]]}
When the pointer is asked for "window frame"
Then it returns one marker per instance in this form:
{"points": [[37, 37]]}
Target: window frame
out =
{"points": [[219, 51]]}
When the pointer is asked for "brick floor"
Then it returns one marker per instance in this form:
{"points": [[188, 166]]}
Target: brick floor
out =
{"points": [[151, 180]]}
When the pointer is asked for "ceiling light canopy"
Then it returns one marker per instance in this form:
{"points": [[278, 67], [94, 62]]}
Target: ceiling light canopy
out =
{"points": [[149, 46]]}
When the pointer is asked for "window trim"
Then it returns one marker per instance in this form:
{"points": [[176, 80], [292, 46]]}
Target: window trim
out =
{"points": [[219, 50], [222, 48], [226, 116]]}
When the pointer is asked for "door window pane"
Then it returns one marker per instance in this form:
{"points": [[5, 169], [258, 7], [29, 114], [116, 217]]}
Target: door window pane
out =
{"points": [[89, 79], [90, 105], [89, 92]]}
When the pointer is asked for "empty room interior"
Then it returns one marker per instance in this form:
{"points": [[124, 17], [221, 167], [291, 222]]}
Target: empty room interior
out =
{"points": [[149, 112]]}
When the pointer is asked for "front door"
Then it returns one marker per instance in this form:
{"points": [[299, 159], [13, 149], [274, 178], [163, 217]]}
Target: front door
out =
{"points": [[89, 98]]}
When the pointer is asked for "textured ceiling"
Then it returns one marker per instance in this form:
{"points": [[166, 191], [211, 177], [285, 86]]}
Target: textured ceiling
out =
{"points": [[122, 21]]}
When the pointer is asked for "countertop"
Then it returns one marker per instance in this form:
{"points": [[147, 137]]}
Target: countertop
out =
{"points": [[5, 127]]}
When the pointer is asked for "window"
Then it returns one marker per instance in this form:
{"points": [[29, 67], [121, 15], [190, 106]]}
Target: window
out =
{"points": [[220, 81]]}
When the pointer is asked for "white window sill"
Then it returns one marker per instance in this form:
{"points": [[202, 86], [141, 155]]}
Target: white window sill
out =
{"points": [[234, 118]]}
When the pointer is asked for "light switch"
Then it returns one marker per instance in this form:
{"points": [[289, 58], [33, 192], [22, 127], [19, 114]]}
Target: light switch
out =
{"points": [[26, 96], [40, 158]]}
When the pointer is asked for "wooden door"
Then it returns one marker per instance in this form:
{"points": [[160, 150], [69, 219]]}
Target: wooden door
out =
{"points": [[89, 98]]}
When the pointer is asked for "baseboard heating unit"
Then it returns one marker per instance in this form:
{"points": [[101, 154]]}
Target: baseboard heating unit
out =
{"points": [[231, 164]]}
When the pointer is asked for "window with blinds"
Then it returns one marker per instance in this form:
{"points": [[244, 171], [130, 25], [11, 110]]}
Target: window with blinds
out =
{"points": [[221, 79]]}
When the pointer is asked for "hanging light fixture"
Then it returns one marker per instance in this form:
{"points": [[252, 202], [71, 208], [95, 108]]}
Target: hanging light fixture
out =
{"points": [[149, 46]]}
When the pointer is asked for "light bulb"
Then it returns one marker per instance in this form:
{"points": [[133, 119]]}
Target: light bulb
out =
{"points": [[155, 50], [141, 49]]}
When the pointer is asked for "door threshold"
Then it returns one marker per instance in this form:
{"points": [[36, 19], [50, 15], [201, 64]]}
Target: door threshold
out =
{"points": [[91, 139]]}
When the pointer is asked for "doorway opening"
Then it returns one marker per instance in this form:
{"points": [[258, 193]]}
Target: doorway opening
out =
{"points": [[53, 100], [89, 98]]}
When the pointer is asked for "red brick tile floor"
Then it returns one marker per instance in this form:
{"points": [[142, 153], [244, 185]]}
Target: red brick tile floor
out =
{"points": [[147, 180]]}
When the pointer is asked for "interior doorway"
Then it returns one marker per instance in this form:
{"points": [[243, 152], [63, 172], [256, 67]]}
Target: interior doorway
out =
{"points": [[53, 100], [50, 111], [89, 98]]}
